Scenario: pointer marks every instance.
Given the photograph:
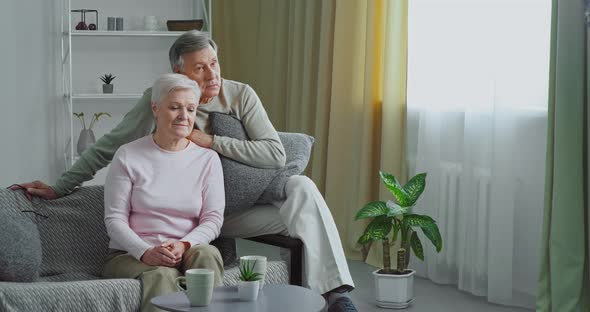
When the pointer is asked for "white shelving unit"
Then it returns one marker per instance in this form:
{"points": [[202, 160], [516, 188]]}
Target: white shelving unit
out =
{"points": [[127, 33], [87, 54], [114, 96]]}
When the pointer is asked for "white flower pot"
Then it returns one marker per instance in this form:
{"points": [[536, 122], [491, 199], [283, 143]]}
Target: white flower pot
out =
{"points": [[248, 291], [394, 291]]}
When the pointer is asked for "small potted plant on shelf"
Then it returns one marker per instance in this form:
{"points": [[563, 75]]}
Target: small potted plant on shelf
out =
{"points": [[86, 138], [248, 284], [107, 87], [395, 220]]}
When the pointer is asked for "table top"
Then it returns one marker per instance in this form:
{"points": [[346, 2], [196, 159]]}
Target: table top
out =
{"points": [[272, 298]]}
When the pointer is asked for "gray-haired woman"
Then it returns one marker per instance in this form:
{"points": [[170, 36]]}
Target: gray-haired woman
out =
{"points": [[164, 198]]}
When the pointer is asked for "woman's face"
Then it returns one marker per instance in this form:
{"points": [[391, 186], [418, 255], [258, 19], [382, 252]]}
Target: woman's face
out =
{"points": [[202, 67], [175, 116]]}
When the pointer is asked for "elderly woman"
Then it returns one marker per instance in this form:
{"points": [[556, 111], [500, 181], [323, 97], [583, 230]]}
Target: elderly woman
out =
{"points": [[164, 197]]}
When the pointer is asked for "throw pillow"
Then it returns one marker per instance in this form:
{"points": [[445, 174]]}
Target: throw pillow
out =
{"points": [[20, 255], [243, 184], [246, 185], [298, 150]]}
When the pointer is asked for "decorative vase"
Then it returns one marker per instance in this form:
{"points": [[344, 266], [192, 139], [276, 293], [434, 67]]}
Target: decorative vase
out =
{"points": [[248, 291], [107, 88], [85, 140], [394, 291]]}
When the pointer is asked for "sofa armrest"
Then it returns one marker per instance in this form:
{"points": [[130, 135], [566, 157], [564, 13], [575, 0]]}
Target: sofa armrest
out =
{"points": [[295, 247]]}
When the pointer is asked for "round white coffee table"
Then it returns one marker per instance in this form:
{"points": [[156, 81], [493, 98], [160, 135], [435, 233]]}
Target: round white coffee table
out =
{"points": [[272, 298]]}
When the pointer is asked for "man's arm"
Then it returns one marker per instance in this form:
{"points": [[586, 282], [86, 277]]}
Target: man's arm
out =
{"points": [[264, 150], [137, 123]]}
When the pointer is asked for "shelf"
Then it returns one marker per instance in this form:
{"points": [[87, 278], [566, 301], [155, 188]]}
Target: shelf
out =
{"points": [[125, 33], [114, 96]]}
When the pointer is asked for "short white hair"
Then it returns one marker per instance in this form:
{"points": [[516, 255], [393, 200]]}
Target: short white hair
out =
{"points": [[170, 82]]}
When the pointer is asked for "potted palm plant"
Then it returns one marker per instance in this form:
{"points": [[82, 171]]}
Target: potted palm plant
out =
{"points": [[395, 221], [248, 284], [107, 87], [86, 137]]}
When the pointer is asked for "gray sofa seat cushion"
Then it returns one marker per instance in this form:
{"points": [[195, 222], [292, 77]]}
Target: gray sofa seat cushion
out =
{"points": [[20, 251], [66, 292], [246, 185], [95, 295]]}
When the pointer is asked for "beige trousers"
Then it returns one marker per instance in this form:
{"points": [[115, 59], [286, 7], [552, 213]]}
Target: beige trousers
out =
{"points": [[304, 215], [160, 280]]}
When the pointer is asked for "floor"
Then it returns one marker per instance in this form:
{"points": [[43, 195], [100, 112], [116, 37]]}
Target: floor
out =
{"points": [[427, 295]]}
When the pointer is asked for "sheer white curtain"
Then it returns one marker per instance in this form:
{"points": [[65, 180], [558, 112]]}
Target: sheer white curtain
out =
{"points": [[477, 107]]}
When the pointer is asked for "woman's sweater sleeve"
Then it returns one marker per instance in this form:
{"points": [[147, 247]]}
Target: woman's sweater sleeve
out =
{"points": [[211, 216], [117, 206]]}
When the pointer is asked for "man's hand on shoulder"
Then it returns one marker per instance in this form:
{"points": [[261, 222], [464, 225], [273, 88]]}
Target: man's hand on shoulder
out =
{"points": [[37, 188], [201, 138]]}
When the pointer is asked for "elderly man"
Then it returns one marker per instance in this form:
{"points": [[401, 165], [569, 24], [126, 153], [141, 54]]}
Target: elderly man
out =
{"points": [[304, 214]]}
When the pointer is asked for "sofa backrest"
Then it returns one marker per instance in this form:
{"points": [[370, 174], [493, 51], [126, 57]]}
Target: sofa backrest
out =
{"points": [[72, 230], [73, 233]]}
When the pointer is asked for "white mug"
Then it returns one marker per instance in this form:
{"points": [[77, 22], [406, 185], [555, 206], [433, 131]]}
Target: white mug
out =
{"points": [[199, 286], [150, 23], [259, 267]]}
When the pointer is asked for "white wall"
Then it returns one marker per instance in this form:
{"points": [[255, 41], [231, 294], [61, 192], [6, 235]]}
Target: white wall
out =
{"points": [[28, 91], [32, 119]]}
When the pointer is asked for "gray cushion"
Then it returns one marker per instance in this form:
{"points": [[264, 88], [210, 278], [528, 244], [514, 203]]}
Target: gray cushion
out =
{"points": [[246, 185], [20, 254], [298, 149], [243, 184]]}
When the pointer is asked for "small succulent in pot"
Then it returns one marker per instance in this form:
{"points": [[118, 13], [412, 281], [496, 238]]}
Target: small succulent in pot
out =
{"points": [[107, 87], [247, 273], [249, 281], [107, 78]]}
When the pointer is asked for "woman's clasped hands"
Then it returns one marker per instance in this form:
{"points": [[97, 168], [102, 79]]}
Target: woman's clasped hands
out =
{"points": [[167, 254]]}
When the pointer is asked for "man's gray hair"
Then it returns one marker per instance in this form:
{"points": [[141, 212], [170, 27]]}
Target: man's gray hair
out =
{"points": [[170, 82], [190, 41]]}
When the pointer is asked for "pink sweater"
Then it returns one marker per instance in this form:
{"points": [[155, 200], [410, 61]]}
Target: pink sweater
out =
{"points": [[152, 195]]}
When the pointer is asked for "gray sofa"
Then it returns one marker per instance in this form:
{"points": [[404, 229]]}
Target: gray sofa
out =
{"points": [[74, 244]]}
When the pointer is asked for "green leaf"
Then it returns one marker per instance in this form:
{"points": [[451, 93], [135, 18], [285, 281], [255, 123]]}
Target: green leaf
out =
{"points": [[415, 187], [417, 220], [376, 230], [433, 234], [395, 209], [395, 188], [372, 210], [428, 226], [417, 246]]}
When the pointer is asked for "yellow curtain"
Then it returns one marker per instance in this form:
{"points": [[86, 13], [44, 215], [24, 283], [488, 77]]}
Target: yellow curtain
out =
{"points": [[335, 70]]}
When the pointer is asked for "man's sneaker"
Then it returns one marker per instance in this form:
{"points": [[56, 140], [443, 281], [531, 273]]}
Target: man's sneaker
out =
{"points": [[342, 304]]}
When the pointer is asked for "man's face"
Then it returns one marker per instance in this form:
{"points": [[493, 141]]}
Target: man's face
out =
{"points": [[202, 66], [175, 115]]}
